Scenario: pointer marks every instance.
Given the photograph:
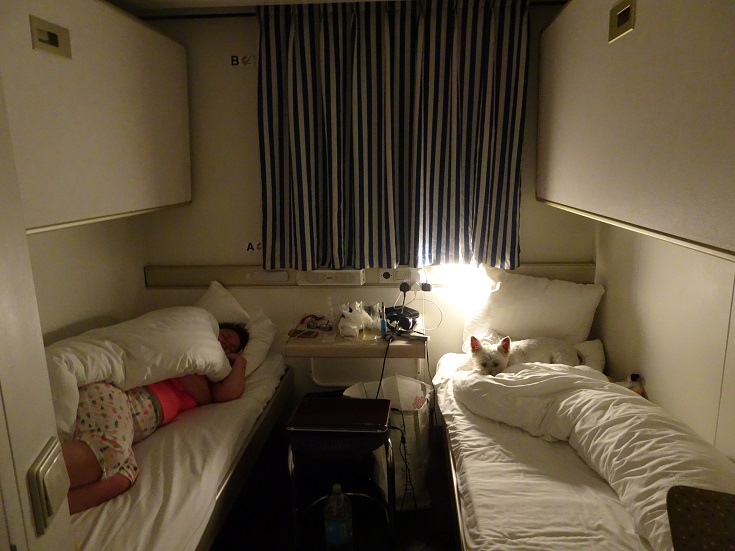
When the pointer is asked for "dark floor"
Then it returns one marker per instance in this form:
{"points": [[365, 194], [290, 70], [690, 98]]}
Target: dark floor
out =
{"points": [[261, 517]]}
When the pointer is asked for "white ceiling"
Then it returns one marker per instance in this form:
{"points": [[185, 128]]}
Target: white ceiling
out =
{"points": [[149, 6], [163, 7]]}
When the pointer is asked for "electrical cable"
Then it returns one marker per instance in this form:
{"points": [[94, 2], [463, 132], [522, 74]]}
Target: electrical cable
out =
{"points": [[404, 289], [434, 405], [403, 450], [441, 313], [382, 370]]}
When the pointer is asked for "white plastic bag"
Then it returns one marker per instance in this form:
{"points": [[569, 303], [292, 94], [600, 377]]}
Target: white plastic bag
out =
{"points": [[412, 398], [353, 319]]}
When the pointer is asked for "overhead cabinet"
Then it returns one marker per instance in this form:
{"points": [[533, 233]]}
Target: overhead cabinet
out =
{"points": [[98, 111], [637, 117]]}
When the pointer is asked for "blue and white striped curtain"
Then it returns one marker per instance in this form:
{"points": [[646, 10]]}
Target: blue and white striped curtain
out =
{"points": [[391, 133]]}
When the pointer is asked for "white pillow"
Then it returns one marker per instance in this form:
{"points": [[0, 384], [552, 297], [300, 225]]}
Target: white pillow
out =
{"points": [[262, 332], [225, 308], [593, 354], [524, 307], [219, 302]]}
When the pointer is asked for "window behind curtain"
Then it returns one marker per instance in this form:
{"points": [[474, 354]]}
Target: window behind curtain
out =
{"points": [[391, 133]]}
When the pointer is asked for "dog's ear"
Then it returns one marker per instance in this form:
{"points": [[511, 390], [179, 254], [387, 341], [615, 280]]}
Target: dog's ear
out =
{"points": [[504, 345], [475, 344]]}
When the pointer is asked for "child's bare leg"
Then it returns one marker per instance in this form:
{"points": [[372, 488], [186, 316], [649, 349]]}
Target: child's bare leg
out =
{"points": [[85, 476], [81, 463], [90, 495]]}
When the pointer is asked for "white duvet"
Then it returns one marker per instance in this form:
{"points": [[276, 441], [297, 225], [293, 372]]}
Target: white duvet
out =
{"points": [[639, 449], [155, 346]]}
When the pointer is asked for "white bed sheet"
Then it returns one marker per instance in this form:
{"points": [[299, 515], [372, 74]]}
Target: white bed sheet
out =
{"points": [[521, 492], [181, 468]]}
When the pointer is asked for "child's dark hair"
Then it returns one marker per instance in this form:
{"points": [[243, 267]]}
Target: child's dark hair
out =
{"points": [[242, 332]]}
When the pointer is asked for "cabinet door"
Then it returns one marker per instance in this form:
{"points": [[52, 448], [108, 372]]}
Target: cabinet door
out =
{"points": [[639, 130], [26, 411], [104, 132]]}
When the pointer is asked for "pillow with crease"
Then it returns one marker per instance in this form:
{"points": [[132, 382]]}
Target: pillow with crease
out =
{"points": [[523, 307], [219, 302], [262, 332]]}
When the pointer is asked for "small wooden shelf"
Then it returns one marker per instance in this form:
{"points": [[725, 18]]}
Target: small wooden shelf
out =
{"points": [[354, 347]]}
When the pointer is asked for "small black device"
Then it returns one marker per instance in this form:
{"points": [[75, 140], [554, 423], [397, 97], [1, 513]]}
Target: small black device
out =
{"points": [[401, 318]]}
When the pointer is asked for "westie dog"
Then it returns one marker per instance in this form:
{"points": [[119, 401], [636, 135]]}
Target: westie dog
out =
{"points": [[636, 383], [495, 358]]}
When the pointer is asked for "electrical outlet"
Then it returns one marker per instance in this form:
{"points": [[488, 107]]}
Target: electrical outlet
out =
{"points": [[386, 275], [410, 276], [406, 274]]}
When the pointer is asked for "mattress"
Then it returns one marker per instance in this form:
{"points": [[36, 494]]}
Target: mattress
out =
{"points": [[540, 489], [517, 491], [182, 466]]}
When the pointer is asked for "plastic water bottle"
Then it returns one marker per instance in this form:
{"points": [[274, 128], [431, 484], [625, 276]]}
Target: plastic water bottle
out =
{"points": [[338, 520]]}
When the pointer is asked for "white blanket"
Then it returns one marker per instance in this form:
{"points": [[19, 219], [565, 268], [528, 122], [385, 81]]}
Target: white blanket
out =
{"points": [[155, 346], [633, 444]]}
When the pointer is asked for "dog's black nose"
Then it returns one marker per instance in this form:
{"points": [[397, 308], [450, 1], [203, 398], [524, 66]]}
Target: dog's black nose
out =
{"points": [[634, 377]]}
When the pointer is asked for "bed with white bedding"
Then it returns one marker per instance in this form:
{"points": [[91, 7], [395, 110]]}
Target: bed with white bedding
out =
{"points": [[183, 467], [191, 469], [553, 457]]}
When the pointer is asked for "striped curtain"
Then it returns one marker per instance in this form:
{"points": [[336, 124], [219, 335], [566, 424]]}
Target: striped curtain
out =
{"points": [[391, 132]]}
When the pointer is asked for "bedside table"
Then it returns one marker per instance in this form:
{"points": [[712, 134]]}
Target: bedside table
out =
{"points": [[334, 345], [325, 430]]}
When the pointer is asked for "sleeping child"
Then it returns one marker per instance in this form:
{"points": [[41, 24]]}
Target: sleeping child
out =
{"points": [[100, 458]]}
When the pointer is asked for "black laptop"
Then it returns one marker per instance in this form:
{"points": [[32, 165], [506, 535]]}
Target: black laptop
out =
{"points": [[341, 415]]}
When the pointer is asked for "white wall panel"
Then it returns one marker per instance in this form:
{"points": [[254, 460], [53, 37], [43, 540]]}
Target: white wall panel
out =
{"points": [[225, 215], [725, 439], [87, 275], [103, 133], [640, 130], [547, 234], [666, 314], [25, 394]]}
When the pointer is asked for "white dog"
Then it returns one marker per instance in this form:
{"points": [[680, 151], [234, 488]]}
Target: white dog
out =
{"points": [[495, 358], [636, 383]]}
